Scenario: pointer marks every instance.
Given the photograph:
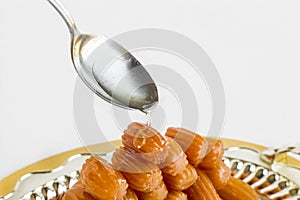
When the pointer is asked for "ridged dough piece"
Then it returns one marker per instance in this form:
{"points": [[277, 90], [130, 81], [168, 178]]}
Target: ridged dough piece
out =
{"points": [[176, 195], [140, 174], [236, 189], [130, 195], [146, 140], [194, 146], [176, 160], [159, 193], [202, 189], [77, 192], [102, 180], [215, 153], [182, 180], [219, 175]]}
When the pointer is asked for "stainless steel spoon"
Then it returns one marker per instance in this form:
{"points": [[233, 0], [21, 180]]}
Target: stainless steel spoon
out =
{"points": [[108, 69]]}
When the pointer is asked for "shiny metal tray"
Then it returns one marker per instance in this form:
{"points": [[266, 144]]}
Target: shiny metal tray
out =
{"points": [[272, 172]]}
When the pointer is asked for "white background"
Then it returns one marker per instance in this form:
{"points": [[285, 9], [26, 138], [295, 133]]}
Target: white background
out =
{"points": [[255, 46]]}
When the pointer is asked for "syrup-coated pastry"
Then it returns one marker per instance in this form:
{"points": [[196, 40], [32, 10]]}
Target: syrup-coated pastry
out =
{"points": [[194, 146], [215, 153], [176, 195], [182, 180], [102, 180], [147, 141], [202, 189], [159, 193], [236, 189], [176, 161], [140, 174], [77, 192], [130, 195], [219, 175]]}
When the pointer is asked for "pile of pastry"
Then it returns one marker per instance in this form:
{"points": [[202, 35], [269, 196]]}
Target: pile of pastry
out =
{"points": [[179, 165]]}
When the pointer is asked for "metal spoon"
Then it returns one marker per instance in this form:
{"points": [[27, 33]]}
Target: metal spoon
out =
{"points": [[108, 69]]}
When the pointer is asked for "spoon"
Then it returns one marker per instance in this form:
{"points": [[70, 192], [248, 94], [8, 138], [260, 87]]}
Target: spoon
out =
{"points": [[108, 69]]}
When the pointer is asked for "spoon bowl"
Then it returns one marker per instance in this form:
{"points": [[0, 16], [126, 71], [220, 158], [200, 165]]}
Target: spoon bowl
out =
{"points": [[108, 69]]}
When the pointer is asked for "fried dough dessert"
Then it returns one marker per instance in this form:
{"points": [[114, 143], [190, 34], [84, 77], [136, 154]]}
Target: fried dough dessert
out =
{"points": [[236, 189], [148, 166], [130, 195], [77, 192], [176, 161], [183, 180], [102, 180], [145, 140], [219, 175], [215, 153], [159, 193], [194, 146], [176, 195], [140, 174], [202, 189]]}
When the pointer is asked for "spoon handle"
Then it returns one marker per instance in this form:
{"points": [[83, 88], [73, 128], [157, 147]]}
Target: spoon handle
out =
{"points": [[65, 15]]}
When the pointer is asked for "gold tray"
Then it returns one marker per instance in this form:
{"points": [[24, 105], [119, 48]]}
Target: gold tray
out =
{"points": [[276, 174]]}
